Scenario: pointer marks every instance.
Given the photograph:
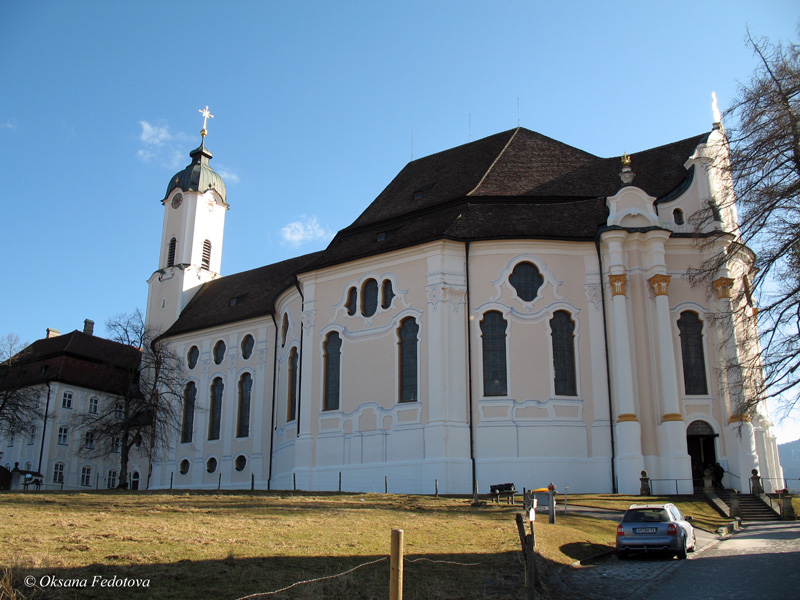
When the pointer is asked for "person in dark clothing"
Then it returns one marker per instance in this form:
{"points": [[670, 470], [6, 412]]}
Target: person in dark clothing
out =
{"points": [[717, 473]]}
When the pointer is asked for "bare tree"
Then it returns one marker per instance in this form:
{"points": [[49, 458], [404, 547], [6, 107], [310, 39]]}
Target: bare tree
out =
{"points": [[147, 414], [762, 164], [20, 389]]}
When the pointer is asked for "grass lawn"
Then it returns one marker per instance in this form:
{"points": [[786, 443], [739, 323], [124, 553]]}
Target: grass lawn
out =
{"points": [[228, 545]]}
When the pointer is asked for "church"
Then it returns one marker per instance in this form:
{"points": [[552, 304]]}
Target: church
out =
{"points": [[510, 310]]}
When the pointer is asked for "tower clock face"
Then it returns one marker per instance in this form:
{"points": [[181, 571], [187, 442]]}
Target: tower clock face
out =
{"points": [[176, 200]]}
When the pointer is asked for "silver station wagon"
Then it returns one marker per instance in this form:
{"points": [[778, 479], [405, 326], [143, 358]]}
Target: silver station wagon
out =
{"points": [[655, 528]]}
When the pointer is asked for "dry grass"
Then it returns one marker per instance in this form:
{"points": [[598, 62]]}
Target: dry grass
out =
{"points": [[229, 545]]}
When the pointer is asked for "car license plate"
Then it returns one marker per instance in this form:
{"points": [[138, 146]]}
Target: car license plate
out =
{"points": [[645, 530]]}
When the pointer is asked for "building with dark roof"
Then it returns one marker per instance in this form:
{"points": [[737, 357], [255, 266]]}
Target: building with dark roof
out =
{"points": [[513, 309]]}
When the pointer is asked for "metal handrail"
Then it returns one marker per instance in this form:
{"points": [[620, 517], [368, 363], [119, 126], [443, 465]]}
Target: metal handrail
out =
{"points": [[676, 482]]}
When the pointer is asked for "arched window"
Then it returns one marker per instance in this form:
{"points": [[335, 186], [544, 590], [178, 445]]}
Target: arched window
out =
{"points": [[219, 352], [352, 301], [191, 358], [206, 255], [527, 280], [677, 215], [243, 422], [369, 297], [291, 411], [562, 330], [284, 329], [409, 380], [493, 328], [333, 363], [248, 343], [171, 252], [694, 363], [187, 424], [215, 410], [387, 294]]}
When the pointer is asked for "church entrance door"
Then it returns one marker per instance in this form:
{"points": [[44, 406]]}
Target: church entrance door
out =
{"points": [[701, 446]]}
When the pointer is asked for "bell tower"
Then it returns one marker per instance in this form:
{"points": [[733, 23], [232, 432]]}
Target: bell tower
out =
{"points": [[191, 237]]}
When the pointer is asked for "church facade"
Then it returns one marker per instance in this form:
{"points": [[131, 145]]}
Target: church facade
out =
{"points": [[510, 310]]}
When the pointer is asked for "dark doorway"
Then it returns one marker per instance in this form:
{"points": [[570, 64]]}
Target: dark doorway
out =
{"points": [[700, 443], [135, 480]]}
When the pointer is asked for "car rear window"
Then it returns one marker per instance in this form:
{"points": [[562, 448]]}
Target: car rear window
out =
{"points": [[646, 515]]}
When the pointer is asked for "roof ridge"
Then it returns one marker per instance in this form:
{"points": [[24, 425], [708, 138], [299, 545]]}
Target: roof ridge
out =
{"points": [[494, 162]]}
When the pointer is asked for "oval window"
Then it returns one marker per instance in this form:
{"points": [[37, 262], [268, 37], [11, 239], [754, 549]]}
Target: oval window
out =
{"points": [[191, 358], [247, 346], [184, 466], [211, 465], [241, 462], [219, 352]]}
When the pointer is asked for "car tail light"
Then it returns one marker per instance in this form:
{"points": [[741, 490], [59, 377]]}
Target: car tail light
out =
{"points": [[620, 530], [672, 529]]}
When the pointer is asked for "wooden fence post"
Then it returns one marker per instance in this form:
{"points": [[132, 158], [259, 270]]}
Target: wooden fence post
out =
{"points": [[396, 575], [437, 488]]}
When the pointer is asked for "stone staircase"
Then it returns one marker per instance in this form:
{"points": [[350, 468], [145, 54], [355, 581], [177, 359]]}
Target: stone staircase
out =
{"points": [[753, 508]]}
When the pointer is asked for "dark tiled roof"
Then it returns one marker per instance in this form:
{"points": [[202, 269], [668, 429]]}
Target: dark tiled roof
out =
{"points": [[75, 358], [238, 297]]}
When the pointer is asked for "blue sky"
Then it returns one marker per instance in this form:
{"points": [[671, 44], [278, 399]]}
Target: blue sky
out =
{"points": [[316, 105]]}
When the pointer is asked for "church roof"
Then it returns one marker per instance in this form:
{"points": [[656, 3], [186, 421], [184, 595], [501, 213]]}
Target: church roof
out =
{"points": [[198, 176], [74, 358]]}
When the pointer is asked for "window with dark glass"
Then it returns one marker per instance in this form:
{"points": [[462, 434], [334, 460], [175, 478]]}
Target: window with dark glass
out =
{"points": [[171, 252], [240, 462], [187, 423], [694, 363], [245, 389], [219, 352], [562, 330], [369, 297], [86, 476], [291, 411], [387, 294], [333, 364], [527, 280], [352, 301], [493, 330], [206, 255], [191, 358], [211, 465], [247, 346], [215, 410], [184, 468], [409, 380], [284, 329], [677, 214]]}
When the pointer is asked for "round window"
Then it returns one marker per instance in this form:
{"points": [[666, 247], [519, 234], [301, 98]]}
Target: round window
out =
{"points": [[241, 462], [211, 465], [184, 466], [191, 358]]}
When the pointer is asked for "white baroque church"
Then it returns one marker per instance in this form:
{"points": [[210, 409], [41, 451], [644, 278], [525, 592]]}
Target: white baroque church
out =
{"points": [[510, 310]]}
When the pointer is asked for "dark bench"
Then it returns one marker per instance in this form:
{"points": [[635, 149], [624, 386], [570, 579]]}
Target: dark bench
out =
{"points": [[506, 490]]}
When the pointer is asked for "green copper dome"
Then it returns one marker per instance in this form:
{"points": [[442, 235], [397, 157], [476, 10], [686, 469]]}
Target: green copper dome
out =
{"points": [[198, 176]]}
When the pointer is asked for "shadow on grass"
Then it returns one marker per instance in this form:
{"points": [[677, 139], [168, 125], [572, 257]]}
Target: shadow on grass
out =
{"points": [[430, 577]]}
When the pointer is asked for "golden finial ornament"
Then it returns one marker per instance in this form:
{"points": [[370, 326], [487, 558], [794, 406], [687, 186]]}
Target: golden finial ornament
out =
{"points": [[626, 160], [206, 115]]}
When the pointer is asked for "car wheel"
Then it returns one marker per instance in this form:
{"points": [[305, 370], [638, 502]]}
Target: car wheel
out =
{"points": [[622, 555], [694, 543], [682, 552]]}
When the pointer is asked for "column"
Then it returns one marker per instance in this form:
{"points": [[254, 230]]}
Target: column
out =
{"points": [[675, 461]]}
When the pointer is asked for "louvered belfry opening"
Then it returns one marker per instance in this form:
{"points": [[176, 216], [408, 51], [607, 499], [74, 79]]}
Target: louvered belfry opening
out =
{"points": [[206, 255]]}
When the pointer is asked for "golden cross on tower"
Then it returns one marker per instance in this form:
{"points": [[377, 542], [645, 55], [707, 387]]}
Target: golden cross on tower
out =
{"points": [[206, 114]]}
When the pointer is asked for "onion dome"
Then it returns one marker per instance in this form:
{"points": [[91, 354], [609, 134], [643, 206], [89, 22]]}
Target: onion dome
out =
{"points": [[198, 176]]}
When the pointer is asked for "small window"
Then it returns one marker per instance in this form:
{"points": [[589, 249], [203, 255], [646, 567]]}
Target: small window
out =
{"points": [[191, 358], [93, 403], [89, 440], [352, 301], [58, 473], [184, 468], [211, 465], [171, 252], [86, 476], [66, 400], [116, 444], [387, 294], [219, 352], [63, 435], [240, 463], [369, 297], [111, 480], [206, 255], [32, 435], [284, 329], [237, 300], [11, 441], [247, 346], [677, 215], [526, 279], [119, 411]]}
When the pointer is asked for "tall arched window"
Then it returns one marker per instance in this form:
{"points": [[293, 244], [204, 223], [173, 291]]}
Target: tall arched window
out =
{"points": [[171, 252], [562, 330], [187, 424], [493, 328], [333, 363], [206, 255], [694, 363], [291, 411], [245, 389], [527, 280], [409, 380], [369, 297], [215, 410]]}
